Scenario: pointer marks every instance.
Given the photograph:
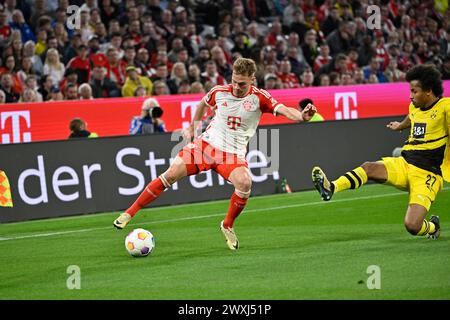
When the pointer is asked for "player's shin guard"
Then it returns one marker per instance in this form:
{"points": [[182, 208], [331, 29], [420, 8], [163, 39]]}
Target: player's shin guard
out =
{"points": [[351, 180], [150, 193], [237, 204], [428, 227]]}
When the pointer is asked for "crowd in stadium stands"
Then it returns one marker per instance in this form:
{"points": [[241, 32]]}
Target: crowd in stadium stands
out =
{"points": [[129, 48]]}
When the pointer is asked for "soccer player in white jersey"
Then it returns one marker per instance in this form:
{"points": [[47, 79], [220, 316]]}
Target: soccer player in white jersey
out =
{"points": [[222, 147]]}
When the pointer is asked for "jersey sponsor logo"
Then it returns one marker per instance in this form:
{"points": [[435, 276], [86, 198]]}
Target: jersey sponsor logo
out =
{"points": [[233, 122], [419, 130]]}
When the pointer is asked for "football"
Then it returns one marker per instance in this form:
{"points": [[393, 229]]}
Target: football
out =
{"points": [[140, 242]]}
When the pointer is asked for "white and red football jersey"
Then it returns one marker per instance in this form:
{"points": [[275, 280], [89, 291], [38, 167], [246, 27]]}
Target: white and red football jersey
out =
{"points": [[236, 119]]}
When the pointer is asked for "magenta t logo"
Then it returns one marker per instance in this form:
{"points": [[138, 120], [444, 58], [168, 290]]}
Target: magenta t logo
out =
{"points": [[17, 135]]}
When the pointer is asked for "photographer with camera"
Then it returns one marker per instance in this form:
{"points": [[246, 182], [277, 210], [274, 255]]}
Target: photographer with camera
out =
{"points": [[150, 119]]}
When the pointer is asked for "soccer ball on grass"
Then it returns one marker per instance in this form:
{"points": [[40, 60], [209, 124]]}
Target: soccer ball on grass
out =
{"points": [[140, 242]]}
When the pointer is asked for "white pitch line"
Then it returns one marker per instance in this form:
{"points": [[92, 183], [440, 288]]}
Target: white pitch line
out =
{"points": [[49, 234]]}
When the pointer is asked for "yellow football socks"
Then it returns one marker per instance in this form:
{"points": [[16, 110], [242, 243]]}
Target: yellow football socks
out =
{"points": [[427, 227], [351, 180]]}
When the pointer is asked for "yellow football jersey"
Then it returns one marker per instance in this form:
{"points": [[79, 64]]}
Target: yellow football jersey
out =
{"points": [[428, 144]]}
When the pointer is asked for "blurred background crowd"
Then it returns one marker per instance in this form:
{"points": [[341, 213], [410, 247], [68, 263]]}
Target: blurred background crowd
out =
{"points": [[116, 48]]}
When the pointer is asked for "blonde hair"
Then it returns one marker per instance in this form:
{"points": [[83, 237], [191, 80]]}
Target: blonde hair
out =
{"points": [[56, 65], [244, 67]]}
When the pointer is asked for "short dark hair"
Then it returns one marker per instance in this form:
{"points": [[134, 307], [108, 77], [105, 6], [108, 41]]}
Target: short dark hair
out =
{"points": [[76, 124], [303, 103], [428, 76]]}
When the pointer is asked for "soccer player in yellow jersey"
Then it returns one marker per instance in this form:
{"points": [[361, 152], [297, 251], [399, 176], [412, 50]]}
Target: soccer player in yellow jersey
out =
{"points": [[425, 158]]}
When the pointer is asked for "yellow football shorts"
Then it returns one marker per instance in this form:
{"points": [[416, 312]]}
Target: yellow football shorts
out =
{"points": [[422, 185]]}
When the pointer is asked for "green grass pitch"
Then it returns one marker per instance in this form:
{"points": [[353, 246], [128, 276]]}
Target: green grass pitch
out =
{"points": [[293, 246]]}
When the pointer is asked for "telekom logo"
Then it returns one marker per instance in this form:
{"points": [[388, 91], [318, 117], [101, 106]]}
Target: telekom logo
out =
{"points": [[17, 135], [185, 106], [345, 109]]}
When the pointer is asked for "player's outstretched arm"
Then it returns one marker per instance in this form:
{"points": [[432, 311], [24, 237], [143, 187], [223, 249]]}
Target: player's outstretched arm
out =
{"points": [[296, 115], [399, 126], [189, 133]]}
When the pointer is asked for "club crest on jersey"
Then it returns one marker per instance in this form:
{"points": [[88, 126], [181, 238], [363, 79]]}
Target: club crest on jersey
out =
{"points": [[248, 106], [433, 115]]}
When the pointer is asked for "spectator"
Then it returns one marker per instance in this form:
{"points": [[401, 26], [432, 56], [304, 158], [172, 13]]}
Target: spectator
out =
{"points": [[338, 64], [133, 81], [71, 91], [289, 12], [25, 71], [323, 58], [310, 48], [85, 92], [331, 22], [271, 81], [197, 87], [185, 87], [53, 66], [18, 23], [28, 95], [143, 62], [347, 79], [223, 65], [116, 68], [129, 56], [392, 73], [102, 86], [211, 74], [2, 97], [203, 56], [96, 57], [160, 88], [5, 29], [295, 53], [358, 76], [445, 68], [140, 92], [36, 61], [70, 50], [150, 119], [6, 85], [31, 83], [55, 94], [46, 83], [41, 42], [81, 64], [78, 129], [307, 78], [178, 75], [374, 67], [288, 78], [10, 67], [324, 80], [340, 40], [70, 76], [194, 73], [241, 45]]}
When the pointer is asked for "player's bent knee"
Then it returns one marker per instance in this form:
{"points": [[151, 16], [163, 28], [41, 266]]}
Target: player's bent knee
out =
{"points": [[244, 184], [369, 167], [413, 227]]}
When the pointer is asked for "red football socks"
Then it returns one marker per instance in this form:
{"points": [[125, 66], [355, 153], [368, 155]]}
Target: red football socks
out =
{"points": [[237, 204], [150, 193]]}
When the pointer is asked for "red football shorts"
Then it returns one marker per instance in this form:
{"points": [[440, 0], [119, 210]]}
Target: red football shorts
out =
{"points": [[200, 156]]}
